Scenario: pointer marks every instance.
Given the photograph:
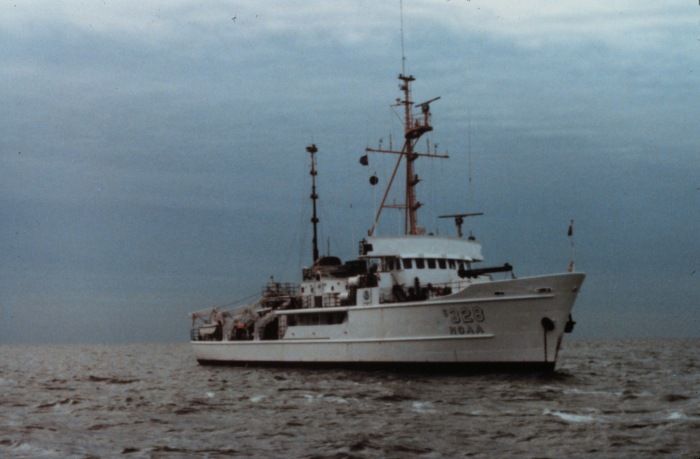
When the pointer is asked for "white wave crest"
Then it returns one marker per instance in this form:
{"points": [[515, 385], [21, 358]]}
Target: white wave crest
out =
{"points": [[570, 417], [423, 407]]}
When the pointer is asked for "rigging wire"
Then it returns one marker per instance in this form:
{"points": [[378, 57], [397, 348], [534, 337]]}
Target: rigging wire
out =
{"points": [[351, 225], [470, 186], [441, 166], [238, 300], [393, 109], [431, 208]]}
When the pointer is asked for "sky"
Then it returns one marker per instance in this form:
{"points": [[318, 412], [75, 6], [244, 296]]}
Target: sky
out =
{"points": [[152, 154]]}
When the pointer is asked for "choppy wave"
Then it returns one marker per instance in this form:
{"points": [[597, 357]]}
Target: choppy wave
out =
{"points": [[607, 399], [570, 417]]}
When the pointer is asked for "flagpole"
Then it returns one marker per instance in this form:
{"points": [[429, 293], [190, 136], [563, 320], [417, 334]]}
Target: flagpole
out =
{"points": [[570, 234]]}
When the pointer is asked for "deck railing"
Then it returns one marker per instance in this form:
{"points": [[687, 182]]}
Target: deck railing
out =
{"points": [[277, 289]]}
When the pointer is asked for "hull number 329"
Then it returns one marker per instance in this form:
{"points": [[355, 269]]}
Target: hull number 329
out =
{"points": [[465, 320]]}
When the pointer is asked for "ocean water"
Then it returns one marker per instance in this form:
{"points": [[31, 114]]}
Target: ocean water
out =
{"points": [[606, 399]]}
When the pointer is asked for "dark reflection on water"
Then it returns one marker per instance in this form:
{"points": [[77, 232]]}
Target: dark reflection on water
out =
{"points": [[617, 398]]}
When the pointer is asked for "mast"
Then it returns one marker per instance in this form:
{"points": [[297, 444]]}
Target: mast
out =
{"points": [[410, 219], [412, 132], [414, 128], [311, 149]]}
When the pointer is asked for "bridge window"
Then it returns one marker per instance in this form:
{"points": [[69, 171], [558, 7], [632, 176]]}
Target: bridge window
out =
{"points": [[452, 264], [391, 264], [442, 263], [431, 263], [407, 263], [420, 263]]}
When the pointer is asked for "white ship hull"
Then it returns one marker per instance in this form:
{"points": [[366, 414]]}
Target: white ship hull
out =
{"points": [[515, 323]]}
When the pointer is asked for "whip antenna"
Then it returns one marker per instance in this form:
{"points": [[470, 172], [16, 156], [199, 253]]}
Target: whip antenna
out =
{"points": [[403, 54]]}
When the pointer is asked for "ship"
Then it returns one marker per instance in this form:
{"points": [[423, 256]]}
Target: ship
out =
{"points": [[416, 300]]}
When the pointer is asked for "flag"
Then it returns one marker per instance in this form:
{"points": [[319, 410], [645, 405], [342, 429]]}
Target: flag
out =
{"points": [[570, 233]]}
